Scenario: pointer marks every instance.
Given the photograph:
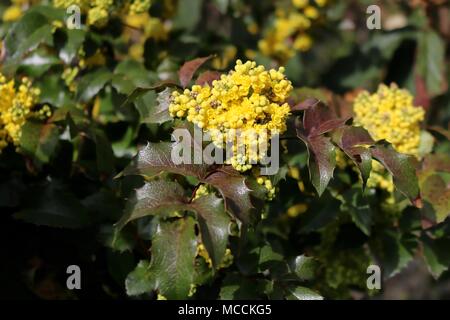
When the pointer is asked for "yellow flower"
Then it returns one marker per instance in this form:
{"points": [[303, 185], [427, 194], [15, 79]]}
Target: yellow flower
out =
{"points": [[16, 106], [83, 4], [321, 3], [202, 190], [244, 108], [267, 184], [12, 13], [288, 34], [311, 12], [303, 42], [389, 114], [297, 209], [139, 6], [300, 3], [227, 259]]}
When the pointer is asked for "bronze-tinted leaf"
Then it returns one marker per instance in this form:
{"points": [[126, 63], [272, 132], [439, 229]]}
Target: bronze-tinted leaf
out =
{"points": [[189, 68]]}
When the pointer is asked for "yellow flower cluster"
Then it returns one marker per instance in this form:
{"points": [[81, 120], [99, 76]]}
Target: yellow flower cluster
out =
{"points": [[16, 106], [289, 32], [202, 190], [139, 6], [83, 4], [389, 114], [98, 11], [244, 108], [267, 183]]}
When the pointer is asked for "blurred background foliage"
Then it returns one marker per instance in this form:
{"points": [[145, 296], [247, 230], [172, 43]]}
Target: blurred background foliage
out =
{"points": [[58, 196]]}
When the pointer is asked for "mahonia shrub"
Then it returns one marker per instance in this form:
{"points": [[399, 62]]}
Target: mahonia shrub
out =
{"points": [[354, 121]]}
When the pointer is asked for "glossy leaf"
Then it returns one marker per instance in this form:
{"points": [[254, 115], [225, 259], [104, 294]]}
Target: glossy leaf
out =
{"points": [[402, 167], [173, 250], [157, 157], [214, 225], [235, 192], [156, 197]]}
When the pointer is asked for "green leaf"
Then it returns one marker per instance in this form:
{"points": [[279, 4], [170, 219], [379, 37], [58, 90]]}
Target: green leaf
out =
{"points": [[325, 210], [39, 140], [236, 287], [304, 267], [269, 259], [50, 12], [188, 14], [430, 59], [394, 252], [115, 239], [401, 166], [156, 197], [154, 111], [91, 84], [140, 280], [31, 30], [122, 84], [104, 153], [74, 40], [436, 254], [54, 91], [174, 248], [302, 293], [358, 208], [139, 91], [214, 223], [38, 63], [55, 206]]}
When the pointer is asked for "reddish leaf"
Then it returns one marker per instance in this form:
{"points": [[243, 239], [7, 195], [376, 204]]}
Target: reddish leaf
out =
{"points": [[321, 161], [304, 105], [319, 119], [356, 136], [207, 77], [422, 98], [189, 68], [157, 197], [354, 142], [437, 193], [157, 157], [235, 192]]}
